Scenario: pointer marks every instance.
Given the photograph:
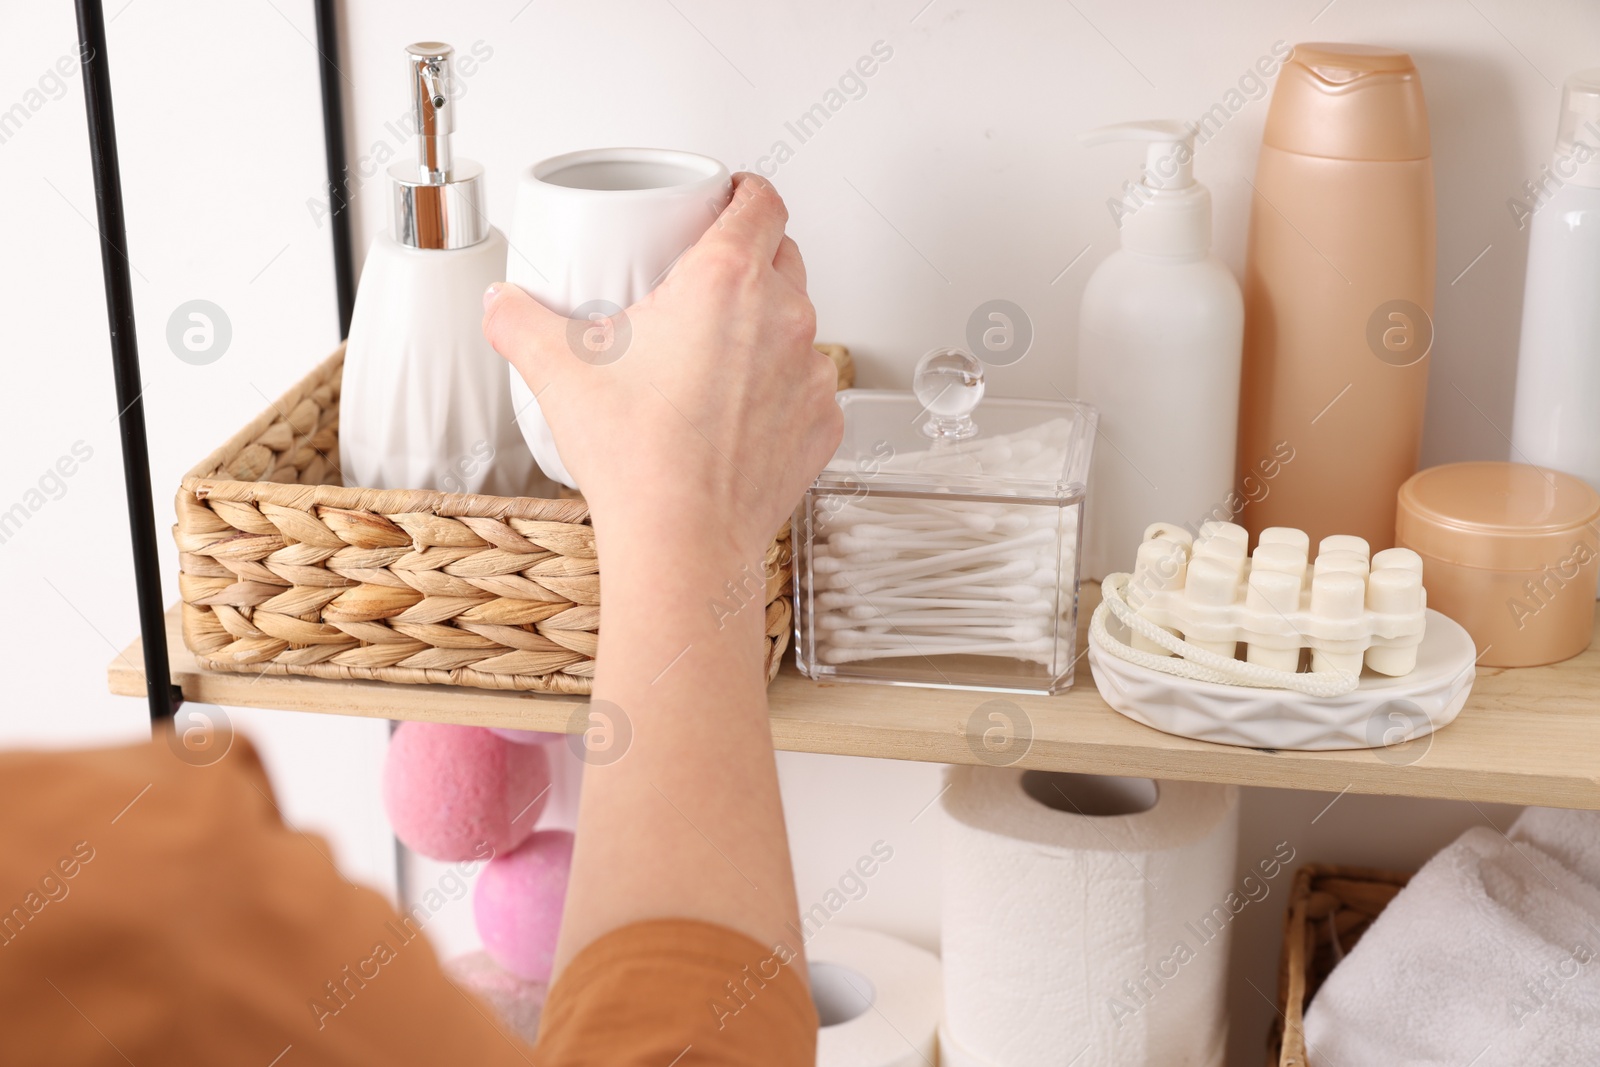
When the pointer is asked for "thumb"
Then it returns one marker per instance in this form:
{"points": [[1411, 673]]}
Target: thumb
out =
{"points": [[530, 336]]}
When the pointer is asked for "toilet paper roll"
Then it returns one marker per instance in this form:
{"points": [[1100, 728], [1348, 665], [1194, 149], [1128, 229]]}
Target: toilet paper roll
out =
{"points": [[877, 998], [951, 1054], [1086, 920]]}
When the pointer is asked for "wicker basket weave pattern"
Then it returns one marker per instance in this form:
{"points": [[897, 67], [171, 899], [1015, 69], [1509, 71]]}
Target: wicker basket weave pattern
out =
{"points": [[1330, 907], [282, 570]]}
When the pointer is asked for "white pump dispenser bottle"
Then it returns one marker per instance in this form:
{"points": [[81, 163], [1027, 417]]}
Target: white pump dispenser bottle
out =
{"points": [[425, 402], [1556, 419], [1159, 339]]}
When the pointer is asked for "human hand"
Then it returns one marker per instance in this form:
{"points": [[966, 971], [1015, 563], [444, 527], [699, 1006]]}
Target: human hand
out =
{"points": [[720, 412]]}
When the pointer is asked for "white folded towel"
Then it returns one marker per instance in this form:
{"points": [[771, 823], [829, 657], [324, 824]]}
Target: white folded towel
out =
{"points": [[1490, 957], [1573, 837]]}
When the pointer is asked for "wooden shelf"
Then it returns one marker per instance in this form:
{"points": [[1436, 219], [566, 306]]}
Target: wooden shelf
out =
{"points": [[1529, 736]]}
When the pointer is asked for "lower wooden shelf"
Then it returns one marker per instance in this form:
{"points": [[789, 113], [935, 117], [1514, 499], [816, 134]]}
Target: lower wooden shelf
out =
{"points": [[1528, 736]]}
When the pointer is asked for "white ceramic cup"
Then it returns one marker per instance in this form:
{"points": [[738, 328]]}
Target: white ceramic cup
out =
{"points": [[595, 231]]}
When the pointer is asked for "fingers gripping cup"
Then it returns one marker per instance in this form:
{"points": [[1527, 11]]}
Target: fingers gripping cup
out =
{"points": [[593, 232]]}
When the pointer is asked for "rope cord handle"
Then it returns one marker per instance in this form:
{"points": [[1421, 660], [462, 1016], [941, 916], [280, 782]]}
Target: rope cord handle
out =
{"points": [[1187, 661]]}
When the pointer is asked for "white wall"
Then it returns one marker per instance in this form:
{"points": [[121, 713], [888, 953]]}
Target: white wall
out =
{"points": [[221, 142], [953, 180]]}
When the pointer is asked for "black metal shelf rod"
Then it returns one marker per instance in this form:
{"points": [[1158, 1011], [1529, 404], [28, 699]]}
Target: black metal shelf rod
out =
{"points": [[165, 698]]}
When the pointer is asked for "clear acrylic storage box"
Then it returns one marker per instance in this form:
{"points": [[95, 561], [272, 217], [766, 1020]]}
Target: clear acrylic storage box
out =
{"points": [[940, 546]]}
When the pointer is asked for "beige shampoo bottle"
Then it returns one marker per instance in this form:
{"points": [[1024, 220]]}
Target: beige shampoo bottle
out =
{"points": [[1338, 294]]}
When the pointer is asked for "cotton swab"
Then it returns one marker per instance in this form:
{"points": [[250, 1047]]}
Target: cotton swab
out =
{"points": [[876, 607], [912, 578], [1039, 651], [1012, 548], [914, 575]]}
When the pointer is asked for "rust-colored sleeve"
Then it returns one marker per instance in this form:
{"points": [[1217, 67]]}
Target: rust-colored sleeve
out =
{"points": [[678, 992], [156, 912]]}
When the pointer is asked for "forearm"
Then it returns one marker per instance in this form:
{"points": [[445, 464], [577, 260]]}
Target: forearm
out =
{"points": [[690, 452], [687, 822]]}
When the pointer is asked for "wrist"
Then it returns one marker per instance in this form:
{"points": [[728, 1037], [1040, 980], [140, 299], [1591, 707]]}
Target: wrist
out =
{"points": [[683, 529], [688, 580], [665, 612]]}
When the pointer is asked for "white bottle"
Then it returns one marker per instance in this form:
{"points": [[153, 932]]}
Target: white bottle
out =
{"points": [[1159, 340], [1556, 418], [425, 402]]}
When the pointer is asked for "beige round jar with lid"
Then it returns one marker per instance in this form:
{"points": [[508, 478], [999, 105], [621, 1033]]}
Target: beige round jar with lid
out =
{"points": [[1510, 552]]}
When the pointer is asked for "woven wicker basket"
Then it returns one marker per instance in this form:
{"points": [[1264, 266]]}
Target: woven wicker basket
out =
{"points": [[284, 571], [1330, 907]]}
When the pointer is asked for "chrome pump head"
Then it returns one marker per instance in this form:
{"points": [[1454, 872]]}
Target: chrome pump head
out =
{"points": [[438, 200]]}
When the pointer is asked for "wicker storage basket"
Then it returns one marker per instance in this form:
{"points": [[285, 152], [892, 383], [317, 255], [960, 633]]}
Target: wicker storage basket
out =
{"points": [[1330, 907], [282, 570]]}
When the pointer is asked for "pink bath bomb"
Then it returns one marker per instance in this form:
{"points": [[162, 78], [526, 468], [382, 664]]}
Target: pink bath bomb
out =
{"points": [[452, 790], [518, 901]]}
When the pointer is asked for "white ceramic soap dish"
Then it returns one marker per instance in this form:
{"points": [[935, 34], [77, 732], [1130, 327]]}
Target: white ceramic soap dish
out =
{"points": [[1380, 711]]}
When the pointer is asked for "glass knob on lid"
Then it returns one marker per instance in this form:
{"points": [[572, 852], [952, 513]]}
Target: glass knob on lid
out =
{"points": [[948, 383]]}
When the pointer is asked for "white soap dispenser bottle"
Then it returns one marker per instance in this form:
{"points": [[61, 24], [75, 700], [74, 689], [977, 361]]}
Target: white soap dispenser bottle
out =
{"points": [[1555, 421], [425, 402], [1159, 340]]}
